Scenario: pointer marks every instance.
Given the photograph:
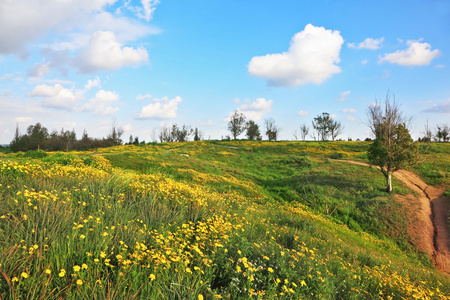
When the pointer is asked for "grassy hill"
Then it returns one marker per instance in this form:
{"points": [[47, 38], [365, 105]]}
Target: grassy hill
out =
{"points": [[211, 219]]}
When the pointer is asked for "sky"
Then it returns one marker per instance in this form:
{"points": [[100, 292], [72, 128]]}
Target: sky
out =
{"points": [[85, 64]]}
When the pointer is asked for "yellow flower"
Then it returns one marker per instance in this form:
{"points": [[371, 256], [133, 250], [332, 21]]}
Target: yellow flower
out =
{"points": [[152, 277], [62, 273], [15, 279], [48, 271], [82, 236], [200, 297], [76, 268], [79, 282], [25, 217], [302, 283], [24, 275], [270, 269], [188, 270], [84, 266]]}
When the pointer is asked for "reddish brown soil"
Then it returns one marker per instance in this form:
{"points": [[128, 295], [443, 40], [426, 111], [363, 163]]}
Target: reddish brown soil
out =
{"points": [[428, 225]]}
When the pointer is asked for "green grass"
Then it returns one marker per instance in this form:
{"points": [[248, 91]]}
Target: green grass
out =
{"points": [[230, 217]]}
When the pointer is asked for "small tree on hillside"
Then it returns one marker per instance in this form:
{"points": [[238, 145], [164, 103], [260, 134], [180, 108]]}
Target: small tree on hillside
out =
{"points": [[321, 125], [442, 132], [236, 125], [253, 132], [335, 128], [393, 148], [272, 130]]}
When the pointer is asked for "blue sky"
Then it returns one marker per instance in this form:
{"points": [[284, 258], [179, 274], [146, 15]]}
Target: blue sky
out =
{"points": [[80, 64]]}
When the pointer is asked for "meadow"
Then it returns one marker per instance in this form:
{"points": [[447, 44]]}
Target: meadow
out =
{"points": [[211, 220]]}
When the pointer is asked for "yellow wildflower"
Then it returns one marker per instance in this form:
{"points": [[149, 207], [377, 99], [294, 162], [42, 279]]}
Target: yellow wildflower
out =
{"points": [[48, 271], [24, 275], [152, 277], [79, 282], [76, 268]]}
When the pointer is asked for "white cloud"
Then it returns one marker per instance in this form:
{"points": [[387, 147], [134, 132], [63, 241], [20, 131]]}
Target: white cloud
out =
{"points": [[101, 103], [104, 52], [364, 61], [92, 83], [160, 109], [29, 20], [343, 96], [39, 70], [257, 109], [349, 110], [369, 43], [303, 113], [417, 54], [351, 118], [148, 8], [143, 97], [311, 58], [207, 123], [57, 96], [236, 100]]}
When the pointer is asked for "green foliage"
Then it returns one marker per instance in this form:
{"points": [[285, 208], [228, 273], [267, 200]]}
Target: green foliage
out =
{"points": [[223, 214], [35, 154]]}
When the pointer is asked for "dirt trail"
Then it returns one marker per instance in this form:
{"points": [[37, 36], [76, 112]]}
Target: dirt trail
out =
{"points": [[431, 224]]}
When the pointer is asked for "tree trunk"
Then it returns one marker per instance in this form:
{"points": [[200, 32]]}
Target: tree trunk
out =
{"points": [[389, 182]]}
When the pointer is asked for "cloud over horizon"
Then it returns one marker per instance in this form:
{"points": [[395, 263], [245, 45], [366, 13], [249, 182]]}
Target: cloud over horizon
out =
{"points": [[311, 58], [417, 54], [160, 109]]}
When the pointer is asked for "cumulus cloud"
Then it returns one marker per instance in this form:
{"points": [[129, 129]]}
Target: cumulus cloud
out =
{"points": [[443, 108], [349, 110], [343, 96], [417, 54], [369, 43], [104, 52], [29, 20], [160, 109], [101, 103], [57, 96], [312, 57], [303, 113], [257, 109]]}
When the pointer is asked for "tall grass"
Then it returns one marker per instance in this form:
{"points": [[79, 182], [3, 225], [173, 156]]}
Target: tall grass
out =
{"points": [[80, 227]]}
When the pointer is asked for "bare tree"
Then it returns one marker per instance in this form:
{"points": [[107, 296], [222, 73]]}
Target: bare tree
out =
{"points": [[304, 130], [427, 134], [116, 133], [335, 128], [272, 130], [393, 148]]}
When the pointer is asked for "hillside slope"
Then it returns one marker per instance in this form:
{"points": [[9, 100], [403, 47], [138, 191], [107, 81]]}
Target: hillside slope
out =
{"points": [[233, 220]]}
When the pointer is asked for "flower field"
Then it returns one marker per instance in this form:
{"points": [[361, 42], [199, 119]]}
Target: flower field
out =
{"points": [[202, 220]]}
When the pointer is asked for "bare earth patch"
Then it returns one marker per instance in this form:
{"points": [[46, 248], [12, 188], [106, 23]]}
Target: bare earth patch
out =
{"points": [[428, 226]]}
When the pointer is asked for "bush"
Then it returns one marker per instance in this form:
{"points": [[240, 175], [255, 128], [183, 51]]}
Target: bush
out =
{"points": [[35, 154]]}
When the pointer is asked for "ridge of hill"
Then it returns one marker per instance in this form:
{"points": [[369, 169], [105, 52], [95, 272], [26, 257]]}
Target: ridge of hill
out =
{"points": [[235, 219]]}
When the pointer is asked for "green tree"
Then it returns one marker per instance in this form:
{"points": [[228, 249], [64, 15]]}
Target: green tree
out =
{"points": [[236, 125], [322, 124], [393, 148], [253, 132]]}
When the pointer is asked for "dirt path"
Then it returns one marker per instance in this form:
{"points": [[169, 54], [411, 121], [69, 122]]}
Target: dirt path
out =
{"points": [[431, 223]]}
